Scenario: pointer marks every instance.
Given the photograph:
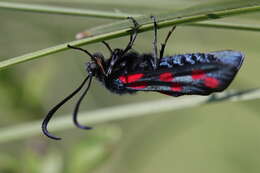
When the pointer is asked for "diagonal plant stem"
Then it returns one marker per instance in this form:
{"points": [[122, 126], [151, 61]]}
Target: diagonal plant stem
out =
{"points": [[63, 10], [109, 15], [122, 28], [224, 25], [207, 24], [126, 111]]}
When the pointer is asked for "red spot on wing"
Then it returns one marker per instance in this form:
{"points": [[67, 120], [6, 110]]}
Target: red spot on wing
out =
{"points": [[166, 77], [122, 79], [131, 78], [176, 87], [197, 74], [208, 81], [138, 85], [211, 82]]}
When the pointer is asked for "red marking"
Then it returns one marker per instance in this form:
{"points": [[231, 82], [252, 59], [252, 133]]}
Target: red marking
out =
{"points": [[197, 74], [138, 85], [211, 82], [131, 78], [208, 81], [176, 87], [166, 77], [122, 79]]}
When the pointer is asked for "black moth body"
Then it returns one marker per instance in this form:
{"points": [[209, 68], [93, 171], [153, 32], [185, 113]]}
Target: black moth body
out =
{"points": [[127, 72]]}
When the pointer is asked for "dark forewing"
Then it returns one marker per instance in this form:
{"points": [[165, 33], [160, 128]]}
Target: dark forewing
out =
{"points": [[188, 74]]}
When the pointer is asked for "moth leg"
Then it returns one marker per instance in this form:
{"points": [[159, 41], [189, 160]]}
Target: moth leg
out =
{"points": [[115, 53], [108, 47], [163, 45], [133, 35], [114, 59], [155, 49]]}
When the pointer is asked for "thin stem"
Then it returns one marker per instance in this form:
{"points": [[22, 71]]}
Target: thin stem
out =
{"points": [[224, 25], [110, 15], [126, 111], [63, 10]]}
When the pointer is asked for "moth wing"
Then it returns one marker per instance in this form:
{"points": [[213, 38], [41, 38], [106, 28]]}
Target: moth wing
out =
{"points": [[189, 79]]}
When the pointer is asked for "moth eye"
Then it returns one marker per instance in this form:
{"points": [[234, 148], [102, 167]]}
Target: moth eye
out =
{"points": [[93, 65], [90, 66]]}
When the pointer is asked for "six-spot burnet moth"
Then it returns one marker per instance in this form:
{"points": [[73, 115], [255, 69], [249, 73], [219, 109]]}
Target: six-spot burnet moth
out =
{"points": [[127, 71]]}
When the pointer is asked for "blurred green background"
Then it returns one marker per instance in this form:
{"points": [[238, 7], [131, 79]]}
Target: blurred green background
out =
{"points": [[223, 137]]}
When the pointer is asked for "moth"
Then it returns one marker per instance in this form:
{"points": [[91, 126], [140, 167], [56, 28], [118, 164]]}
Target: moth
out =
{"points": [[127, 71]]}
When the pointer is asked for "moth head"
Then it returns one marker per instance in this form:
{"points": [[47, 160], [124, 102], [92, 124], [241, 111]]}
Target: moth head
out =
{"points": [[97, 65]]}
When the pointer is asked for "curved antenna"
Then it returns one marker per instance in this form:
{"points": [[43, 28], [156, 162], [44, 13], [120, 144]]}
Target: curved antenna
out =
{"points": [[55, 108], [76, 109], [83, 50], [108, 47]]}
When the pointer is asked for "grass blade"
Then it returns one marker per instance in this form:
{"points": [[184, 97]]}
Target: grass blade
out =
{"points": [[224, 25], [63, 10], [126, 111]]}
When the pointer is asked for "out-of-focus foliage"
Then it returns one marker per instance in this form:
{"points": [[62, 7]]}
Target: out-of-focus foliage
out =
{"points": [[224, 137]]}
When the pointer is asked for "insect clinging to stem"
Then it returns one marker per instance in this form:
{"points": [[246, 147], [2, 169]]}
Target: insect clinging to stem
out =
{"points": [[127, 71]]}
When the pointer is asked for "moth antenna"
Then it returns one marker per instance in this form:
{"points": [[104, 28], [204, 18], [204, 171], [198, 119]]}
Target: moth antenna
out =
{"points": [[108, 47], [55, 108], [76, 109], [83, 50]]}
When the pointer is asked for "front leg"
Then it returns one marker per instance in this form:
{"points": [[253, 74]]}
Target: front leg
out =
{"points": [[119, 53]]}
